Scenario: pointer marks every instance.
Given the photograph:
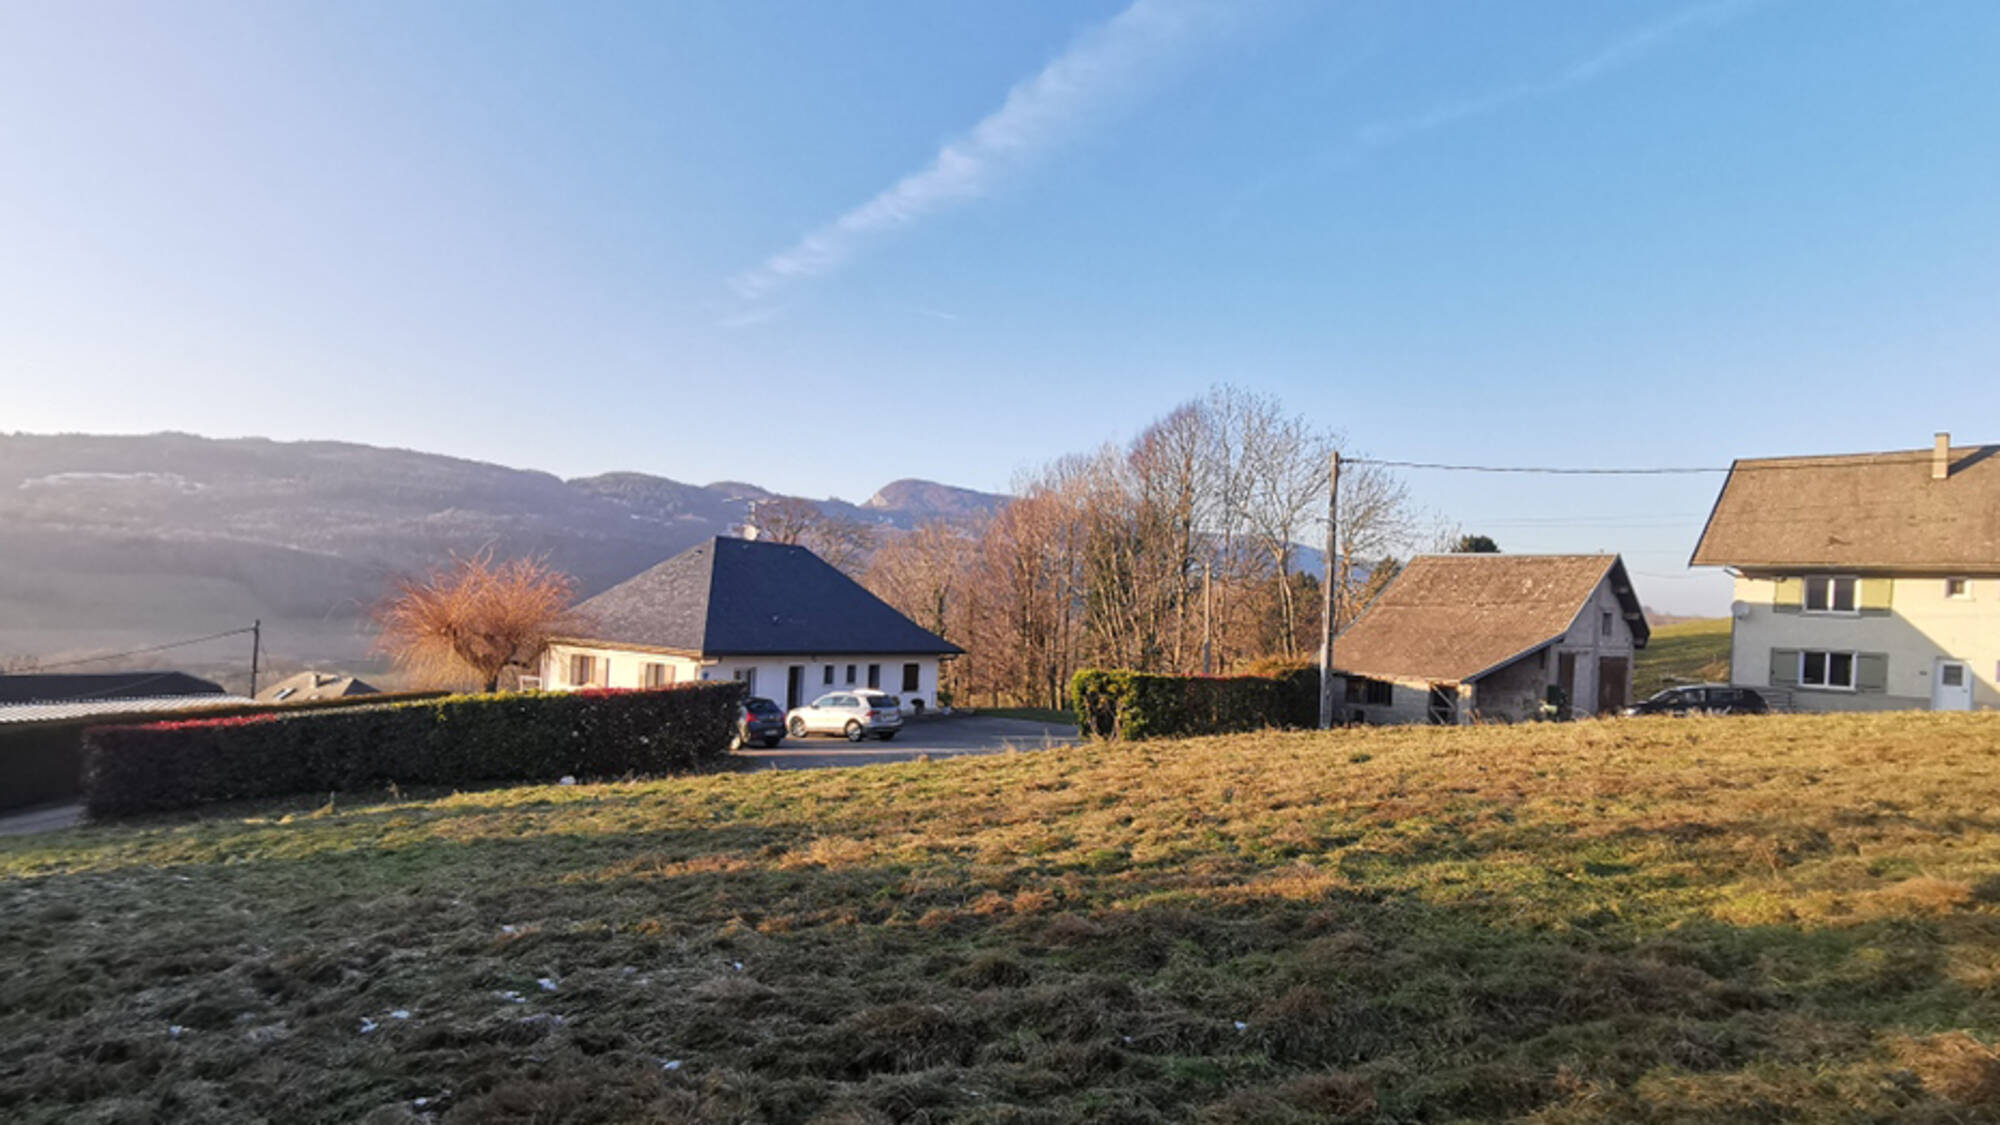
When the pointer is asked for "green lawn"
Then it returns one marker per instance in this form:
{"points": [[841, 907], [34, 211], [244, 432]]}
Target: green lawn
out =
{"points": [[1793, 918], [1689, 652]]}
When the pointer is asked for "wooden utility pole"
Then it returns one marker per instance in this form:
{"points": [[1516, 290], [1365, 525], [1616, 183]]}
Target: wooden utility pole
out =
{"points": [[1327, 581], [256, 650]]}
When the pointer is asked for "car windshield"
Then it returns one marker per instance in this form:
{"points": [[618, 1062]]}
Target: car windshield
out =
{"points": [[760, 707], [1666, 696]]}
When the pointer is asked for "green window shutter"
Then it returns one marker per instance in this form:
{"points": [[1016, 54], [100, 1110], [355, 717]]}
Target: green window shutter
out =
{"points": [[1876, 594], [1784, 667], [1788, 595], [1871, 671]]}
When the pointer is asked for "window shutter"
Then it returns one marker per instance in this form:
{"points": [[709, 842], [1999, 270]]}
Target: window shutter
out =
{"points": [[1871, 671], [1876, 594], [1788, 595], [1784, 667]]}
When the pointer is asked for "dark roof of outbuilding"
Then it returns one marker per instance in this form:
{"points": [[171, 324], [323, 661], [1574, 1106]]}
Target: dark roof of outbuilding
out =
{"points": [[1453, 618], [1863, 510], [739, 597], [60, 688]]}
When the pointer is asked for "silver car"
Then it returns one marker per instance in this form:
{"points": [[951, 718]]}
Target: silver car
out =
{"points": [[856, 714]]}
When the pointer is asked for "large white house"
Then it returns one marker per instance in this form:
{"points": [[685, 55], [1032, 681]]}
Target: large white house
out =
{"points": [[774, 616], [1461, 638], [1865, 581]]}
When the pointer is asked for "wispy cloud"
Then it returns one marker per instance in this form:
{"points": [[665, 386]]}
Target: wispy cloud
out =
{"points": [[1103, 69], [1615, 56]]}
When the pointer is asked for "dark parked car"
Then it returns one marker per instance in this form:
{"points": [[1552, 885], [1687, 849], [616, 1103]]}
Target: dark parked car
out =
{"points": [[761, 721], [1703, 699]]}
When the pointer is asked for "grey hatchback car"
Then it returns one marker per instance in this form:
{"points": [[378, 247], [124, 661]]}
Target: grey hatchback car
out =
{"points": [[855, 714]]}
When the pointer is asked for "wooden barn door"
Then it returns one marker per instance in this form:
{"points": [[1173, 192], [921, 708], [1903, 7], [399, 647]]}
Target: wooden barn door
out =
{"points": [[1611, 684]]}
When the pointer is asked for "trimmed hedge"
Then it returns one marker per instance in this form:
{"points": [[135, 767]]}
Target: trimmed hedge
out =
{"points": [[42, 762], [1112, 703], [450, 741]]}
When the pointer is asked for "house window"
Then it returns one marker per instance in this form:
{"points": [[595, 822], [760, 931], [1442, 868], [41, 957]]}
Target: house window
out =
{"points": [[910, 674], [1825, 594], [1826, 669], [850, 673], [875, 676], [657, 675], [1957, 587], [1604, 624], [747, 677], [1361, 689], [582, 670], [828, 680]]}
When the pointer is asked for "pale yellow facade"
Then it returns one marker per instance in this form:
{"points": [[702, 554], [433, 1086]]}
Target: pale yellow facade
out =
{"points": [[1909, 630]]}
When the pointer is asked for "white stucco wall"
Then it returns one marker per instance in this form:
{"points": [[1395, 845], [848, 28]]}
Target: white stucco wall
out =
{"points": [[616, 667], [771, 672], [1921, 627], [623, 668]]}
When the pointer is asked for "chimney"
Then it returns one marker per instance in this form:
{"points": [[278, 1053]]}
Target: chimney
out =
{"points": [[1941, 457]]}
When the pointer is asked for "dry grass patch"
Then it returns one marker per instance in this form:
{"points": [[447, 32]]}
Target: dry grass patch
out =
{"points": [[1793, 918]]}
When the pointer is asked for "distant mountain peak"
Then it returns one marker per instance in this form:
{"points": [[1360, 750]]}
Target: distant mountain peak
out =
{"points": [[928, 498]]}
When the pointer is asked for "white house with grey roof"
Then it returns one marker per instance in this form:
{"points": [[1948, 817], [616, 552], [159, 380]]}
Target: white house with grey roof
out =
{"points": [[1867, 581], [774, 616]]}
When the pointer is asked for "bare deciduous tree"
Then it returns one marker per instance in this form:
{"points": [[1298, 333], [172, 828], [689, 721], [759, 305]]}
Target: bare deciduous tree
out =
{"points": [[843, 543], [1134, 556], [1285, 460], [474, 618]]}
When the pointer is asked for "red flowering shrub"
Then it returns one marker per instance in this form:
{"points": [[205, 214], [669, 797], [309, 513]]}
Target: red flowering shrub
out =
{"points": [[447, 741]]}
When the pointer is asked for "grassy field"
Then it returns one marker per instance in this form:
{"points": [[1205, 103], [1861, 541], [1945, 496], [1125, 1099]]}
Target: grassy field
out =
{"points": [[1705, 920], [1688, 652]]}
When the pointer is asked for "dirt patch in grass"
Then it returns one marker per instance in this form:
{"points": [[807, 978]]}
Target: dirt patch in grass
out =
{"points": [[1710, 920]]}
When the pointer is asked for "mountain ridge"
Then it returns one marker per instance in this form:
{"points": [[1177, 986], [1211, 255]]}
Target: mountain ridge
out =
{"points": [[120, 541]]}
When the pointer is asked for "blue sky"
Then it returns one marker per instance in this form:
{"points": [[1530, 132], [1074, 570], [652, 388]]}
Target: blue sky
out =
{"points": [[823, 245]]}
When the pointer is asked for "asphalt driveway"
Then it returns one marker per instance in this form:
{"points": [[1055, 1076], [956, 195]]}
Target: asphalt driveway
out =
{"points": [[940, 736]]}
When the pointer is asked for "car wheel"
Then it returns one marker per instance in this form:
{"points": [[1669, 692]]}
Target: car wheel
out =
{"points": [[798, 728], [854, 731], [772, 742], [886, 735]]}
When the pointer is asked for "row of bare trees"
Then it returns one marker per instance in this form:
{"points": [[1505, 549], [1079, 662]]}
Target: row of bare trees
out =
{"points": [[1178, 552]]}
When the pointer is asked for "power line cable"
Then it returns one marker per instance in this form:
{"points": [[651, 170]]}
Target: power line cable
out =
{"points": [[141, 651], [1786, 464]]}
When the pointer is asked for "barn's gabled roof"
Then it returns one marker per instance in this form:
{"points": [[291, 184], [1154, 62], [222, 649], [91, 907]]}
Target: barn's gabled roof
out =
{"points": [[1454, 618], [1863, 511], [740, 597]]}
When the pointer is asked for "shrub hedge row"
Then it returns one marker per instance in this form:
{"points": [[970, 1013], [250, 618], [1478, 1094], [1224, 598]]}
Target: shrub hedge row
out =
{"points": [[1112, 703], [42, 762], [449, 741]]}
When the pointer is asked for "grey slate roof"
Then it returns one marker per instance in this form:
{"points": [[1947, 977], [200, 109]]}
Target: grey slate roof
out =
{"points": [[91, 687], [1865, 511], [738, 597]]}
